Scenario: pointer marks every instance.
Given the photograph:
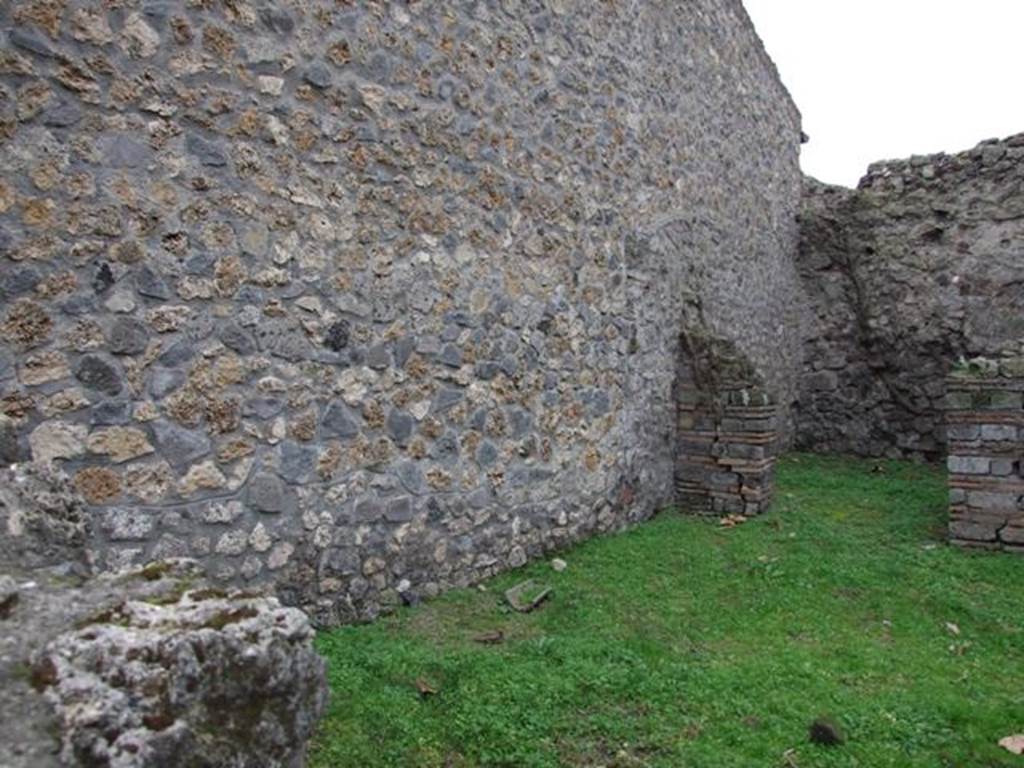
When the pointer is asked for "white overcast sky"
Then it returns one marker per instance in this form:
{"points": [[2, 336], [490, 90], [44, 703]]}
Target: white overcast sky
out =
{"points": [[885, 79]]}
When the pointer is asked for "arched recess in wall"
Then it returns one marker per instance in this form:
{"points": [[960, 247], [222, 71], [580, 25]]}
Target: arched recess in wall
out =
{"points": [[727, 422]]}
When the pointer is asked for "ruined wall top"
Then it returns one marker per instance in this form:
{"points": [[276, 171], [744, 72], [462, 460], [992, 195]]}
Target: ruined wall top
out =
{"points": [[992, 157]]}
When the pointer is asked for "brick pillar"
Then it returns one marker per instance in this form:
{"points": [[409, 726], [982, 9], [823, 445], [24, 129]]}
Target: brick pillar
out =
{"points": [[985, 433], [726, 448]]}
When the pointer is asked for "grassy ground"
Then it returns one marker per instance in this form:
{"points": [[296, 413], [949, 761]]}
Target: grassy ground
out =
{"points": [[682, 643]]}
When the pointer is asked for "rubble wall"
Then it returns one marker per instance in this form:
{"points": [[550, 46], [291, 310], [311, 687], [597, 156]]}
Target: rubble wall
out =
{"points": [[371, 299], [918, 268]]}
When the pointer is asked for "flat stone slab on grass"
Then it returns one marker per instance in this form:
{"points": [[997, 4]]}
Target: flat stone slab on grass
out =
{"points": [[527, 595]]}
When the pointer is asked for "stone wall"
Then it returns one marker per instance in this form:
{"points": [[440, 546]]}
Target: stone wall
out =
{"points": [[371, 299], [985, 428], [916, 269]]}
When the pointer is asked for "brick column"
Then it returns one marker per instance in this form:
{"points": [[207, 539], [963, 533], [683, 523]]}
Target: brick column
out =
{"points": [[985, 432], [725, 454]]}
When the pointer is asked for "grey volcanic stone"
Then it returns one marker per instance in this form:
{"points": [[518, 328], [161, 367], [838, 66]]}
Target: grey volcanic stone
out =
{"points": [[378, 358], [64, 115], [283, 339], [18, 280], [110, 412], [446, 399], [178, 353], [208, 153], [318, 75], [486, 454], [124, 151], [338, 422], [277, 20], [149, 282], [297, 461], [267, 493], [236, 338], [369, 510], [403, 350], [342, 561], [400, 425], [78, 305], [31, 42], [263, 407], [178, 445], [520, 422], [451, 356], [411, 477], [127, 337], [163, 381], [99, 374], [400, 510], [486, 369], [446, 448]]}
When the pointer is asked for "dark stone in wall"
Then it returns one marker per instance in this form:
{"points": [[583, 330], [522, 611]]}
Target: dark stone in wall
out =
{"points": [[337, 336], [179, 446], [95, 372], [127, 337]]}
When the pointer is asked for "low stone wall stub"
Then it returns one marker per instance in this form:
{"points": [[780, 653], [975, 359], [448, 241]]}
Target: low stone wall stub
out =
{"points": [[985, 429]]}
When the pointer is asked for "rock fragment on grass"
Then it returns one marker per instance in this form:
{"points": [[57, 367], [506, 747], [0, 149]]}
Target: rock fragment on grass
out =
{"points": [[527, 595], [1014, 744]]}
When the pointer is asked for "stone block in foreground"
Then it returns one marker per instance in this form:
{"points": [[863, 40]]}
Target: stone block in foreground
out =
{"points": [[985, 432], [152, 668], [144, 668]]}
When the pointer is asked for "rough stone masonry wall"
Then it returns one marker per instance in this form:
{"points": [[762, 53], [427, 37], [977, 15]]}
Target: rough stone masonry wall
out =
{"points": [[985, 427], [369, 299], [917, 268]]}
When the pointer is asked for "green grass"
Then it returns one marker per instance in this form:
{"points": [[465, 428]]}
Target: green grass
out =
{"points": [[681, 643]]}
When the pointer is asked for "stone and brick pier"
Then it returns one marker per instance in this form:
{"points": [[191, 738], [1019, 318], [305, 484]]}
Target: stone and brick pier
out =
{"points": [[985, 426]]}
